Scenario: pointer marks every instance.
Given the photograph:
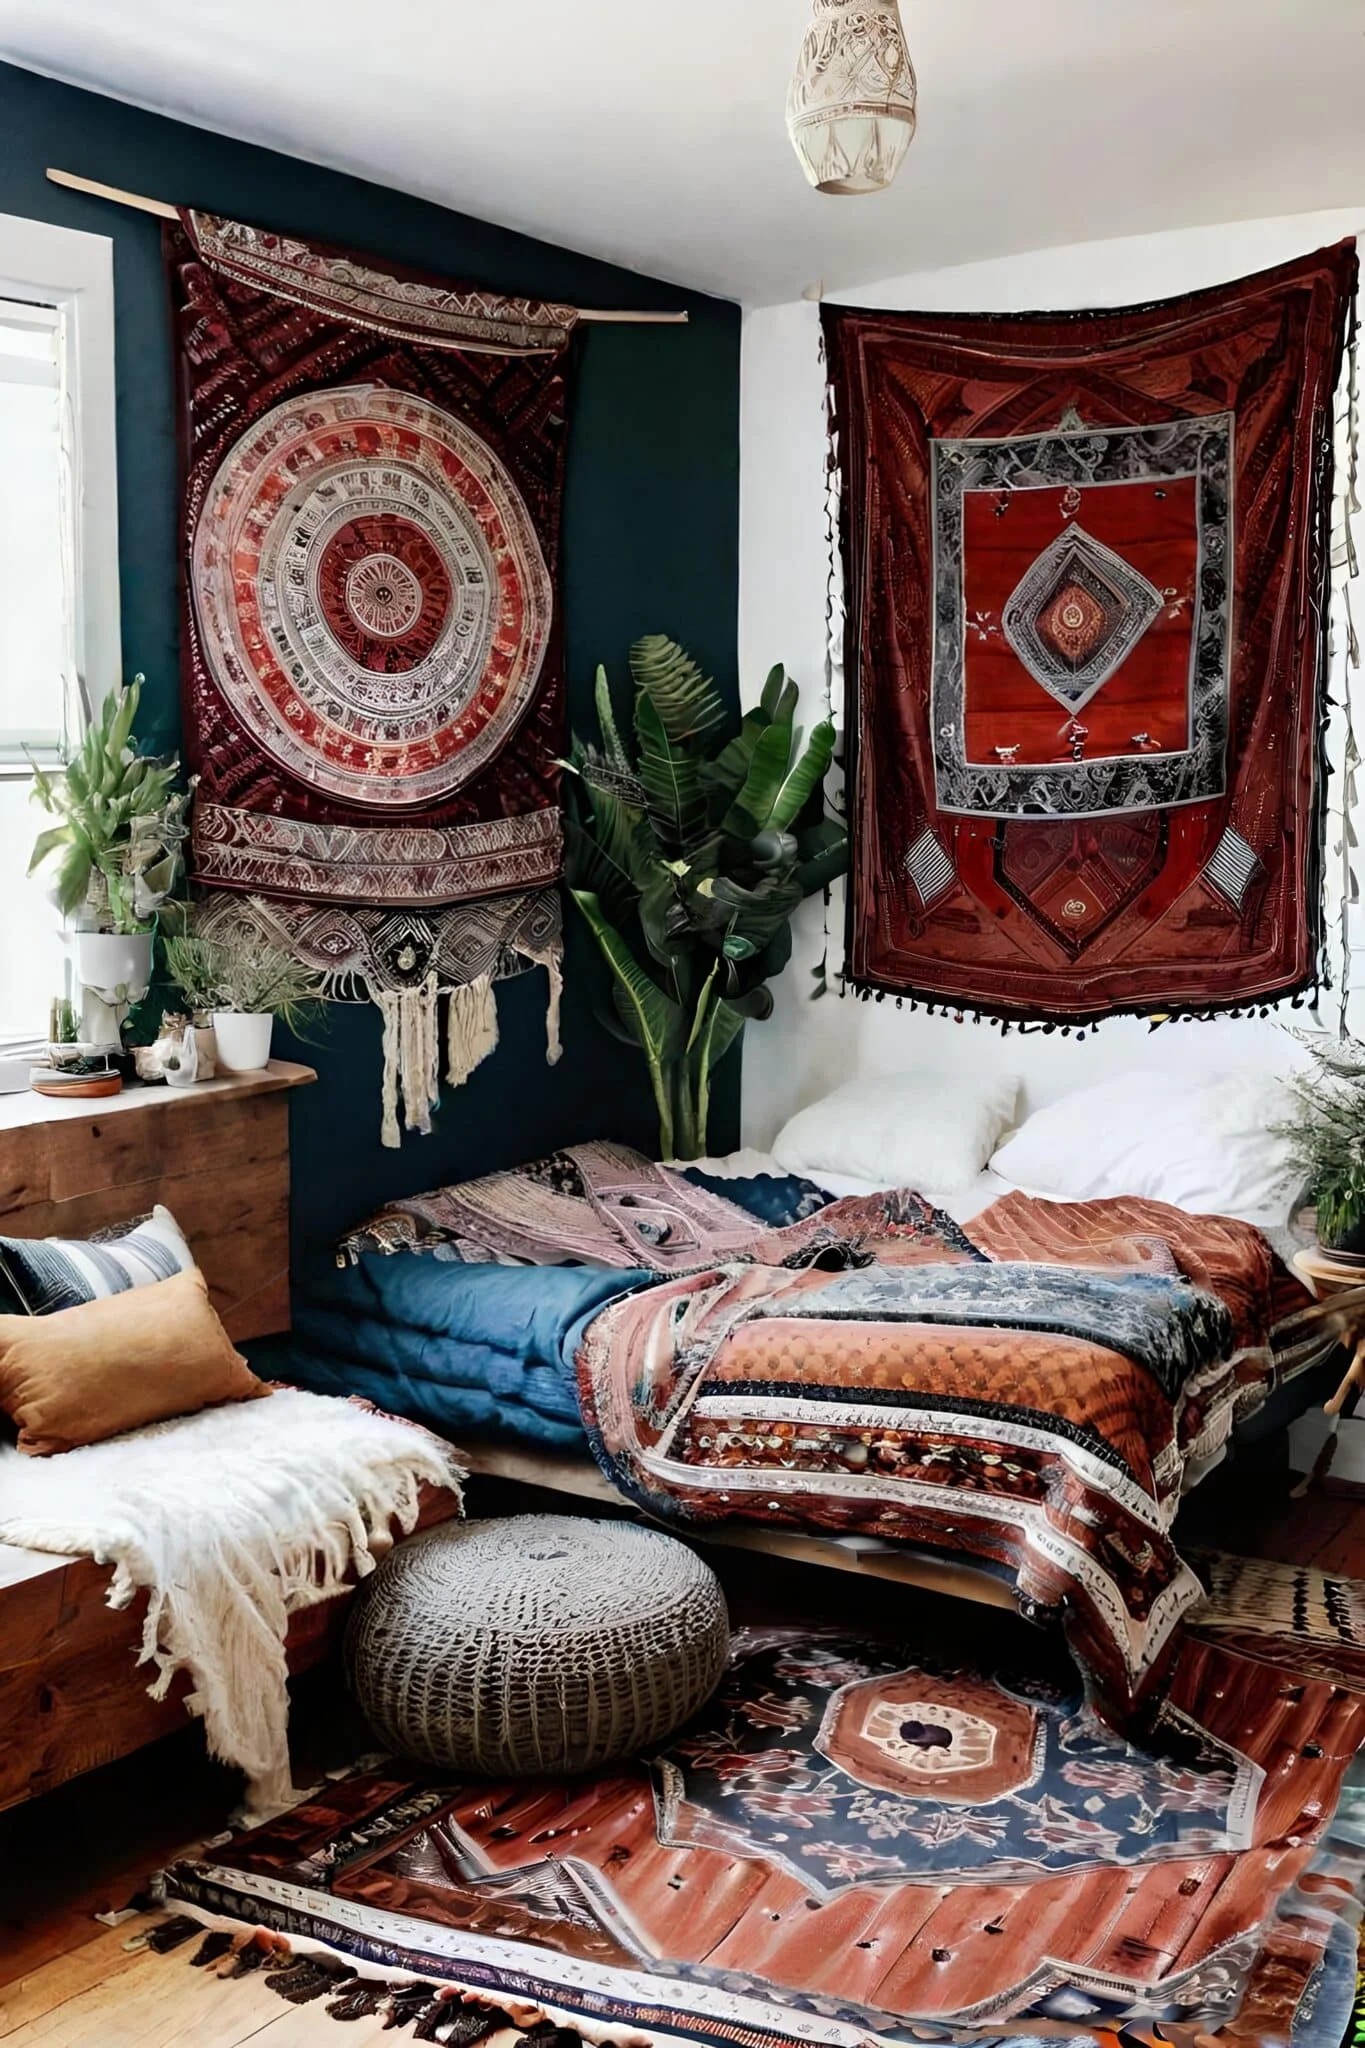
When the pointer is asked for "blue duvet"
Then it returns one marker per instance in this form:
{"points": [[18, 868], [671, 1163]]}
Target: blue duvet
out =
{"points": [[458, 1347]]}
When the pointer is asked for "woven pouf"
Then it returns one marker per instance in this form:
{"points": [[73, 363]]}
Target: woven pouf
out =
{"points": [[537, 1644]]}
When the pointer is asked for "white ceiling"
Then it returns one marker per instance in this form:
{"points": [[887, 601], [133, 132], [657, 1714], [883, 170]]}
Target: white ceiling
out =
{"points": [[651, 131]]}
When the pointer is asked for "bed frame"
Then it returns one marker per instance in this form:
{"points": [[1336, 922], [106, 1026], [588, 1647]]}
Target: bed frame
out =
{"points": [[870, 1557]]}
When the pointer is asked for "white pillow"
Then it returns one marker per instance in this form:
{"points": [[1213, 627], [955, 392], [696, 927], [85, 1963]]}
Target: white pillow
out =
{"points": [[1200, 1143], [928, 1131]]}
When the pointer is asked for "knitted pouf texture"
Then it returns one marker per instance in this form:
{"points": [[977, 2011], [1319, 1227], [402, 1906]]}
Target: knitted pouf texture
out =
{"points": [[542, 1643]]}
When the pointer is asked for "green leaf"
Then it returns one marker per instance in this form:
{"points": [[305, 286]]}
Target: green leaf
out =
{"points": [[779, 698], [657, 1021], [757, 914], [805, 778], [823, 867], [48, 842], [751, 811], [687, 702], [613, 746], [673, 792]]}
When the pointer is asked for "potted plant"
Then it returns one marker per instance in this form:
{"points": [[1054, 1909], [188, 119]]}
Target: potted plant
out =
{"points": [[116, 847], [241, 983], [1326, 1140], [689, 848]]}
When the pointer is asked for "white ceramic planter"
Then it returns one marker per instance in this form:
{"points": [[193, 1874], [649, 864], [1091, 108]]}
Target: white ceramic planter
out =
{"points": [[243, 1040], [114, 970], [118, 968]]}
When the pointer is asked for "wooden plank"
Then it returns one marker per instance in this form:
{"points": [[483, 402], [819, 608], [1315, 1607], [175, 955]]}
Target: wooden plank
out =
{"points": [[154, 2002], [869, 1556], [27, 1110], [219, 1163], [40, 1992]]}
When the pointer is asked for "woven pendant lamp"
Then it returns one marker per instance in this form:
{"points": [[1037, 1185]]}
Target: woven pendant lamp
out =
{"points": [[851, 108]]}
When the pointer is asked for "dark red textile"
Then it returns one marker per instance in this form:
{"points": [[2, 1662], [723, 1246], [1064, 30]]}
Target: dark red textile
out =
{"points": [[1085, 756], [373, 680]]}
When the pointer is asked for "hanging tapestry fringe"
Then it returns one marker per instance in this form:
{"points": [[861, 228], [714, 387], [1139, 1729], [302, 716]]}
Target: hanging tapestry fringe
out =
{"points": [[408, 963]]}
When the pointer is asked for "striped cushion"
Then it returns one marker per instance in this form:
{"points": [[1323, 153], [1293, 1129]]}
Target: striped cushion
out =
{"points": [[39, 1275]]}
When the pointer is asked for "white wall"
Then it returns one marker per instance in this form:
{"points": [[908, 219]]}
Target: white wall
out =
{"points": [[809, 1047]]}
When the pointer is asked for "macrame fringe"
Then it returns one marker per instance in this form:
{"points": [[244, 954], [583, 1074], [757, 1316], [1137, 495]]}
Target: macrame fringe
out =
{"points": [[411, 1059], [471, 1028], [554, 1044], [411, 1087]]}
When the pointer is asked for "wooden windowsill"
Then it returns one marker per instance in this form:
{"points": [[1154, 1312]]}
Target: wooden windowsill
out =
{"points": [[22, 1111]]}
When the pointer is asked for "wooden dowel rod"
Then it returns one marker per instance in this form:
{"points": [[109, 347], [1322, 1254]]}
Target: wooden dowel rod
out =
{"points": [[163, 210]]}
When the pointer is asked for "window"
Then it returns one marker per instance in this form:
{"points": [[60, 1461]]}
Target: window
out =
{"points": [[59, 634]]}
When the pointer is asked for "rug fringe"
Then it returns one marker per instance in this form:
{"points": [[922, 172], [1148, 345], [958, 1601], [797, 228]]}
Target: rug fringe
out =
{"points": [[450, 2014]]}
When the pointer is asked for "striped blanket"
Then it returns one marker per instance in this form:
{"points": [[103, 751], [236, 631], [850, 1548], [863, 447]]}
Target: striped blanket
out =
{"points": [[1036, 1397]]}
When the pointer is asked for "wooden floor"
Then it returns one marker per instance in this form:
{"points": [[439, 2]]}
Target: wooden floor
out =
{"points": [[66, 1981]]}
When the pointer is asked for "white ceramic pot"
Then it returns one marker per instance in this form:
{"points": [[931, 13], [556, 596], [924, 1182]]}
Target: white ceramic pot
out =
{"points": [[243, 1040], [114, 970], [117, 966]]}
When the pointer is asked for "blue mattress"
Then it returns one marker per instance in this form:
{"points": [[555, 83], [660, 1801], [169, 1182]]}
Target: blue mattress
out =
{"points": [[461, 1348]]}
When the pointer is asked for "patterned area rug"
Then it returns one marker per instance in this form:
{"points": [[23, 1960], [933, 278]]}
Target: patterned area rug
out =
{"points": [[860, 1838]]}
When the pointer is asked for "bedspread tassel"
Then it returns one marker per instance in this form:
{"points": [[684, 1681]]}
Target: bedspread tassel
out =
{"points": [[471, 1028]]}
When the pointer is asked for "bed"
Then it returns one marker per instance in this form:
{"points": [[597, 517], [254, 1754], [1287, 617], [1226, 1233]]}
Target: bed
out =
{"points": [[1025, 1386]]}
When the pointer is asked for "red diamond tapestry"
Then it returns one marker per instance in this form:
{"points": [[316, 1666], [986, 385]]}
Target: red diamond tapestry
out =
{"points": [[1087, 564], [372, 670]]}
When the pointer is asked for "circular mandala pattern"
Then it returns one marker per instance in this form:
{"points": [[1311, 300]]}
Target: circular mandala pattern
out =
{"points": [[371, 594]]}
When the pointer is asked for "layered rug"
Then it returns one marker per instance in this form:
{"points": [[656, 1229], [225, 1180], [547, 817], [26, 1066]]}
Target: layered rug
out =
{"points": [[862, 1838]]}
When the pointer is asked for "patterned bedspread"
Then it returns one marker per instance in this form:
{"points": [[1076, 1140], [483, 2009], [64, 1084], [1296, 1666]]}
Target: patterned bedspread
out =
{"points": [[1036, 1396]]}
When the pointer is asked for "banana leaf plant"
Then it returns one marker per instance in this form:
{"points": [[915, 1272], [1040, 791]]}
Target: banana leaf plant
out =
{"points": [[690, 846]]}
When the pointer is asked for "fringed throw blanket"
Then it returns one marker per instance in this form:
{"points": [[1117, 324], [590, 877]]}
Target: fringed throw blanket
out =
{"points": [[231, 1520], [1035, 1400], [1087, 562], [371, 641], [594, 1205]]}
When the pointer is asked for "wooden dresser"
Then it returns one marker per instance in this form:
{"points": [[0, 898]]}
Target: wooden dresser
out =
{"points": [[216, 1154]]}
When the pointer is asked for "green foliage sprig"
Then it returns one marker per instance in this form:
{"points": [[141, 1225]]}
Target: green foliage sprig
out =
{"points": [[122, 823], [1326, 1133], [689, 849], [240, 971]]}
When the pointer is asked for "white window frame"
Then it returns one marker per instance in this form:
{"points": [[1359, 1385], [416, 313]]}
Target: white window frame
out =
{"points": [[45, 265]]}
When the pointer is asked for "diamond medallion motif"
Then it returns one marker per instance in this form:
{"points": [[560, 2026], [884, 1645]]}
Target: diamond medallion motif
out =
{"points": [[1076, 614]]}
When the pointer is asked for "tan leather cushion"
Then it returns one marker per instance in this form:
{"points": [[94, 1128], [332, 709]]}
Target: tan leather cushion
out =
{"points": [[95, 1371]]}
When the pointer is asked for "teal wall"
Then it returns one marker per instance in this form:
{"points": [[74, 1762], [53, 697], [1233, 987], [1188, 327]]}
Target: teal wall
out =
{"points": [[650, 544]]}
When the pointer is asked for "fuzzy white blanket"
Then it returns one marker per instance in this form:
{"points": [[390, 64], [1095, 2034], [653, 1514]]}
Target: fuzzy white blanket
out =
{"points": [[232, 1520]]}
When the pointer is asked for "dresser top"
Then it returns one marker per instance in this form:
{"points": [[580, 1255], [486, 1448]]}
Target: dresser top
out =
{"points": [[24, 1110]]}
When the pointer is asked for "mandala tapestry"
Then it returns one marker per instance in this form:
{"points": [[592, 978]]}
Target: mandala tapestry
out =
{"points": [[1087, 561], [372, 671]]}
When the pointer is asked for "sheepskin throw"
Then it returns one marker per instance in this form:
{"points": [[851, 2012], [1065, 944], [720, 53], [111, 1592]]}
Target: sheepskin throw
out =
{"points": [[231, 1520]]}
